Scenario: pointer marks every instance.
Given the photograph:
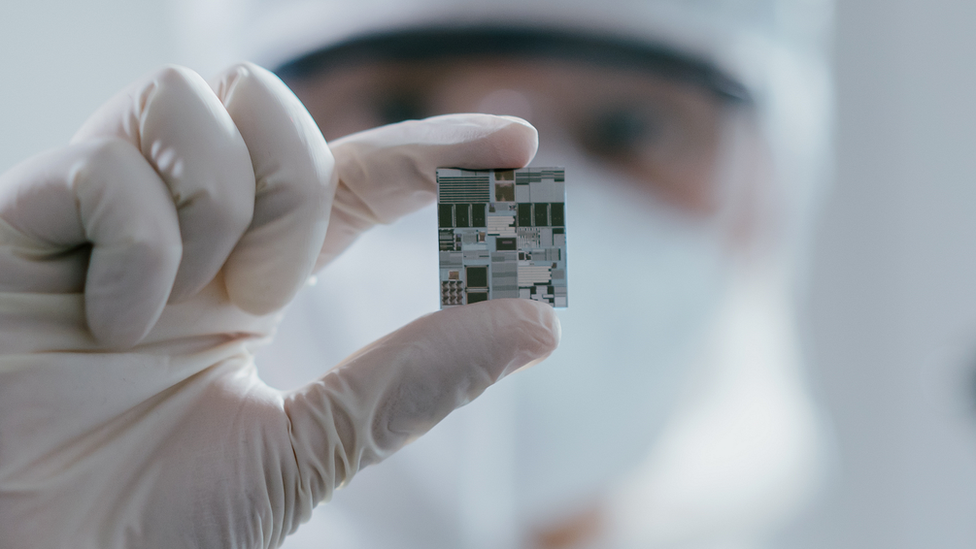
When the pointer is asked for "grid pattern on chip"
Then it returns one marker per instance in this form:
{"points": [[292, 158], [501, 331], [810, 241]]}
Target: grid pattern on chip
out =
{"points": [[502, 233]]}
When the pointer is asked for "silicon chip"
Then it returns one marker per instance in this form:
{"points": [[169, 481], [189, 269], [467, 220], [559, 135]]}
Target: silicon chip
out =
{"points": [[502, 233]]}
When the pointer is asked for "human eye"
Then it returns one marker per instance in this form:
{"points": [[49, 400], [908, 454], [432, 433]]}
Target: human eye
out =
{"points": [[666, 145], [399, 105], [622, 132]]}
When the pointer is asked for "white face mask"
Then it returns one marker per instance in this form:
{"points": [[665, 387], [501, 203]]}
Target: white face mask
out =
{"points": [[644, 281]]}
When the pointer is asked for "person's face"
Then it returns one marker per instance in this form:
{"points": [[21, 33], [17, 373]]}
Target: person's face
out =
{"points": [[664, 136], [643, 287]]}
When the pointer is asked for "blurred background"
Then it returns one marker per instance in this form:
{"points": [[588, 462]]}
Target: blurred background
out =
{"points": [[890, 324]]}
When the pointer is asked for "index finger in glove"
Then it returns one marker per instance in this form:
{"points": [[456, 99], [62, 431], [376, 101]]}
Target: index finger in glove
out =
{"points": [[388, 172], [186, 135], [400, 386]]}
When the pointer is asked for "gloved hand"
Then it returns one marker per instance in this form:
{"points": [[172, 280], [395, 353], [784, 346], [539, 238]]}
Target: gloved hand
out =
{"points": [[139, 266]]}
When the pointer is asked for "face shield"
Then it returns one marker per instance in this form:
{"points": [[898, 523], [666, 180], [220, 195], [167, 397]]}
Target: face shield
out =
{"points": [[693, 140]]}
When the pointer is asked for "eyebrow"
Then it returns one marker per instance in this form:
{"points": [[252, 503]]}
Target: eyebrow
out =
{"points": [[445, 43]]}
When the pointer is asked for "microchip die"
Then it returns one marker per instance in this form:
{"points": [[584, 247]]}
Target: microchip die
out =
{"points": [[502, 233]]}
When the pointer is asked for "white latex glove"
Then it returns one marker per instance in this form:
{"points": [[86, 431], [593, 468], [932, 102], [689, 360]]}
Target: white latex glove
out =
{"points": [[129, 422]]}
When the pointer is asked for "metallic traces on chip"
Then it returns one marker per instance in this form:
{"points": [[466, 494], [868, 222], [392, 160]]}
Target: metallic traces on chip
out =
{"points": [[502, 233]]}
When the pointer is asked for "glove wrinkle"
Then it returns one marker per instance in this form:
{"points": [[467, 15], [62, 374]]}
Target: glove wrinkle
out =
{"points": [[323, 442]]}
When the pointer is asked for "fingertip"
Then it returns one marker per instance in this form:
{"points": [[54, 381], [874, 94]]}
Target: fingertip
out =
{"points": [[525, 331], [551, 320], [540, 325], [478, 141], [515, 141], [524, 141], [524, 126]]}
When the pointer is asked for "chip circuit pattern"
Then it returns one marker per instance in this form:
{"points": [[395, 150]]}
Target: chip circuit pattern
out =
{"points": [[502, 233]]}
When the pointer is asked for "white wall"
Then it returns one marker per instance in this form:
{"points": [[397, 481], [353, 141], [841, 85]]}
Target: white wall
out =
{"points": [[893, 314], [60, 59]]}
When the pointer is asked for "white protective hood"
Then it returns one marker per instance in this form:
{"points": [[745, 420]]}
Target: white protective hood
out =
{"points": [[776, 48], [749, 370]]}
